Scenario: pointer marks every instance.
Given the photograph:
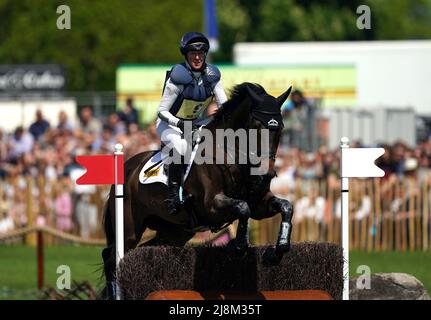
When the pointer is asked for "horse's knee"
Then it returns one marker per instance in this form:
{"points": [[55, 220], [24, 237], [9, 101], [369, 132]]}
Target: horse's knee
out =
{"points": [[287, 210], [242, 209], [284, 207]]}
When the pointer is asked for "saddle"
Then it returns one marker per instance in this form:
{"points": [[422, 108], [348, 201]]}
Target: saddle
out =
{"points": [[155, 169]]}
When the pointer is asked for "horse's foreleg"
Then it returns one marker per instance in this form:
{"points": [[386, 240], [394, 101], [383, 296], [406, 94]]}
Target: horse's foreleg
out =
{"points": [[224, 205], [268, 207], [285, 208]]}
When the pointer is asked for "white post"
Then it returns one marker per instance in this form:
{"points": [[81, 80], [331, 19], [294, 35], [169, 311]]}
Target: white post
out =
{"points": [[119, 219], [345, 221]]}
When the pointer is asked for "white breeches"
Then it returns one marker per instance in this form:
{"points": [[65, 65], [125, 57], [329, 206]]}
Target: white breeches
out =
{"points": [[171, 135]]}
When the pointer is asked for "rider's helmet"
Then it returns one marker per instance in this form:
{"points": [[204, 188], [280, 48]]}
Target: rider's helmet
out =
{"points": [[194, 41]]}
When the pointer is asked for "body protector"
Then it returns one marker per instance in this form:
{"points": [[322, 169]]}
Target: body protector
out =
{"points": [[187, 94]]}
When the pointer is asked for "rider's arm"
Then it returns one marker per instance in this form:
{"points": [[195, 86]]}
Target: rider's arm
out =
{"points": [[220, 95], [178, 78], [170, 94], [214, 75]]}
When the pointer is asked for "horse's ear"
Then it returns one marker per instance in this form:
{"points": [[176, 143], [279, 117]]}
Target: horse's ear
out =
{"points": [[283, 97], [254, 96]]}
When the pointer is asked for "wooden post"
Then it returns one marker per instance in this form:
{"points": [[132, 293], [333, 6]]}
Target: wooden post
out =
{"points": [[378, 217], [303, 230], [331, 219], [42, 208], [40, 265], [392, 220], [353, 206], [363, 221], [411, 216], [30, 237], [295, 231], [418, 217], [397, 218], [337, 232], [429, 212], [425, 216], [403, 218], [370, 224], [324, 193]]}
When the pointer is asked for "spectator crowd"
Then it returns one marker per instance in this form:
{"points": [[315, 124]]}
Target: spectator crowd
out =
{"points": [[47, 151]]}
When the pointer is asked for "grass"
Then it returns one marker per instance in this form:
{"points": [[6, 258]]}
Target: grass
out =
{"points": [[416, 263], [18, 268]]}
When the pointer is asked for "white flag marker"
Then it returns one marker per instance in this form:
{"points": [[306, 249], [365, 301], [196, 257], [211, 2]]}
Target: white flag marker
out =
{"points": [[359, 162], [355, 162], [119, 217]]}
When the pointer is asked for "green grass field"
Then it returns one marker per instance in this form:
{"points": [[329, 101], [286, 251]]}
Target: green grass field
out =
{"points": [[417, 264], [18, 267]]}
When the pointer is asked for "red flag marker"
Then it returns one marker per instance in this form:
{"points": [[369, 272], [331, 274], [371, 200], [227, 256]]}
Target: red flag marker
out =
{"points": [[108, 169], [101, 169]]}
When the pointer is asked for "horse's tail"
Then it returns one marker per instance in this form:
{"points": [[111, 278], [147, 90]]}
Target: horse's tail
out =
{"points": [[107, 222], [108, 253]]}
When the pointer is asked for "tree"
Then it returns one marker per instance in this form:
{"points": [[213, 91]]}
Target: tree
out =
{"points": [[104, 34], [323, 20]]}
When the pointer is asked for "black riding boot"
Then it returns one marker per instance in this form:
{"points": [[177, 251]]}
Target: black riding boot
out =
{"points": [[174, 183]]}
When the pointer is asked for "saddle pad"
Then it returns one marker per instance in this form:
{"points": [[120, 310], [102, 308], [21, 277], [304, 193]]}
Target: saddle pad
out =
{"points": [[156, 174]]}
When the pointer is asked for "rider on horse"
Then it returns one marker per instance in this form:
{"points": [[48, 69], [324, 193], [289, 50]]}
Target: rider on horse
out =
{"points": [[189, 89]]}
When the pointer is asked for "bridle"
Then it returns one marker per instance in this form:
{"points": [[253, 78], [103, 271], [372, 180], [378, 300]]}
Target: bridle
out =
{"points": [[272, 153]]}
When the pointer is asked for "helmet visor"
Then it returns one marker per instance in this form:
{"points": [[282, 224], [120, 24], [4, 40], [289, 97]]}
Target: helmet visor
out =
{"points": [[197, 46]]}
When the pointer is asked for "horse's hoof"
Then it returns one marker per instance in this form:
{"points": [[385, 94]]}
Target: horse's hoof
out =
{"points": [[109, 292], [282, 249], [271, 257], [234, 247]]}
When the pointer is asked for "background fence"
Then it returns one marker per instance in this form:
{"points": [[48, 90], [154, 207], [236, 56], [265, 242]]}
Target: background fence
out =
{"points": [[385, 214], [391, 214]]}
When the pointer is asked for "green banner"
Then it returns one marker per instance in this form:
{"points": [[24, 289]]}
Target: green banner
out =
{"points": [[332, 85]]}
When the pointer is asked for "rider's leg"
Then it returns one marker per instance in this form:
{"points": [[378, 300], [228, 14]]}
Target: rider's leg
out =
{"points": [[174, 182], [172, 138]]}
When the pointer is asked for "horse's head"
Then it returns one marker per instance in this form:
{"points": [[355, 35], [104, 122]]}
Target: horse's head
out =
{"points": [[251, 107], [265, 113]]}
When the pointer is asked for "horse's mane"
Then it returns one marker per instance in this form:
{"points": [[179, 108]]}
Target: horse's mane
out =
{"points": [[238, 95]]}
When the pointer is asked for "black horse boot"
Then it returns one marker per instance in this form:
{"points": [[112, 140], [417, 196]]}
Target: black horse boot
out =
{"points": [[174, 183], [111, 290]]}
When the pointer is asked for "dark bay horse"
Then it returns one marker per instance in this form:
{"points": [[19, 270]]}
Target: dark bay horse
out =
{"points": [[221, 193]]}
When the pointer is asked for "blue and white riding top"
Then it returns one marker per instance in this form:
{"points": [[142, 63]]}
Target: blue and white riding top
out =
{"points": [[187, 93]]}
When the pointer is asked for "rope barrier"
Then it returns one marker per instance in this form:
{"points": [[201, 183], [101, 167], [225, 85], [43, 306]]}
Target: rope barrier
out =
{"points": [[94, 242], [53, 232]]}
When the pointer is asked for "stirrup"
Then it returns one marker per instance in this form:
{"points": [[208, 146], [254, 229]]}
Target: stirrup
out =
{"points": [[173, 205], [173, 201]]}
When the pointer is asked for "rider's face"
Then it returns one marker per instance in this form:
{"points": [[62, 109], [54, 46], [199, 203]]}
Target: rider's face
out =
{"points": [[196, 59]]}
